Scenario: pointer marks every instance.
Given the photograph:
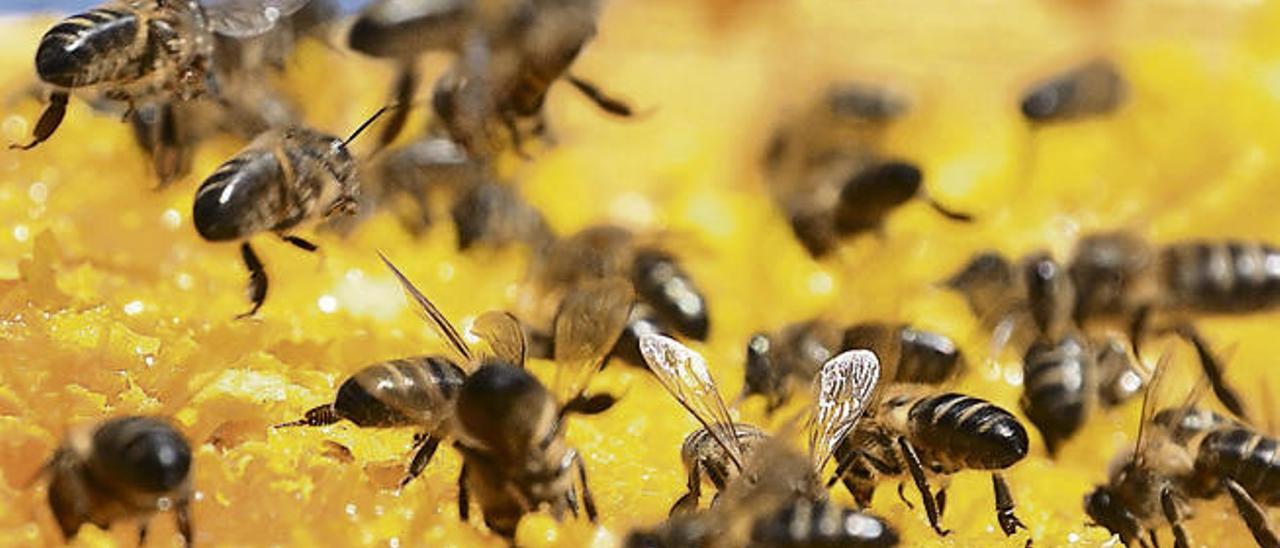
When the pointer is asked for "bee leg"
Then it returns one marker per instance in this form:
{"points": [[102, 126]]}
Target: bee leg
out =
{"points": [[902, 495], [169, 158], [1139, 324], [689, 502], [257, 279], [571, 500], [588, 500], [1170, 508], [941, 498], [917, 475], [517, 141], [49, 121], [1009, 523], [142, 533], [1155, 539], [1212, 370], [69, 501], [614, 106], [300, 243], [182, 514], [1253, 515], [406, 85], [320, 415], [542, 130], [947, 212], [426, 449], [464, 498]]}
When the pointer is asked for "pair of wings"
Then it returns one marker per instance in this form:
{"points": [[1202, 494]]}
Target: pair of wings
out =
{"points": [[245, 18], [842, 391], [590, 320]]}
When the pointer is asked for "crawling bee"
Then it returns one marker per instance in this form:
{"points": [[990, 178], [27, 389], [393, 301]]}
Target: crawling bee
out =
{"points": [[510, 428], [778, 362], [126, 468], [824, 170], [668, 298], [1068, 374], [139, 51], [915, 428], [493, 214], [1187, 453], [1095, 88], [283, 178]]}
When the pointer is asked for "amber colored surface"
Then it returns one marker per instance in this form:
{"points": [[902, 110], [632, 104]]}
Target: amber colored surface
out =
{"points": [[110, 304]]}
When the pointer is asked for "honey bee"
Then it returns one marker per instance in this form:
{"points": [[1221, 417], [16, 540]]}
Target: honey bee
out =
{"points": [[778, 362], [417, 391], [915, 429], [493, 214], [509, 427], [1068, 374], [718, 452], [139, 51], [281, 179], [1095, 88], [824, 171], [1186, 453], [668, 297], [126, 468]]}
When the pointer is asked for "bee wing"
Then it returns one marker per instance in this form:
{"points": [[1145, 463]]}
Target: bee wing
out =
{"points": [[245, 18], [841, 392], [431, 313], [503, 333], [1150, 402], [684, 374], [590, 320]]}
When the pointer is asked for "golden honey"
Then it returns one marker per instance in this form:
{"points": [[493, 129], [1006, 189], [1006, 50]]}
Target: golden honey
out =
{"points": [[110, 303]]}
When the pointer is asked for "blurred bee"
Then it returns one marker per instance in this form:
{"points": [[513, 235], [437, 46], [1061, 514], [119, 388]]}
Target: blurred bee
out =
{"points": [[1068, 374], [823, 168], [668, 297], [778, 362], [1186, 453], [418, 391], [126, 468], [140, 51], [510, 428], [493, 214], [281, 179], [1093, 89], [916, 429], [758, 478]]}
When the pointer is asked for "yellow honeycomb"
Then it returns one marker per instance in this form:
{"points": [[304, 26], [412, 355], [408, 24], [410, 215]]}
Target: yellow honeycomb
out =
{"points": [[110, 304]]}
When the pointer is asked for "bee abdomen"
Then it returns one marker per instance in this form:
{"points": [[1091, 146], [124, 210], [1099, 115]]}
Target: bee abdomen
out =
{"points": [[968, 432], [927, 358], [1224, 277], [1057, 384], [660, 282], [1249, 458], [811, 524], [410, 391], [88, 48]]}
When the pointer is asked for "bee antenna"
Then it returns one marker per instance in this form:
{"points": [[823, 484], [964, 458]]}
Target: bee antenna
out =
{"points": [[370, 121]]}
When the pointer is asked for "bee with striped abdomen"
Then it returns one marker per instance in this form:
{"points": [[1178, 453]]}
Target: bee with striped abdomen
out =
{"points": [[126, 468], [282, 179], [139, 51], [1187, 453], [777, 363], [1095, 88], [510, 428], [915, 430]]}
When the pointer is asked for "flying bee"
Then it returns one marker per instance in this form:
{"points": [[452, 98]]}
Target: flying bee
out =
{"points": [[1068, 374], [915, 430], [719, 451], [778, 362], [510, 428], [1093, 89], [281, 179], [669, 297], [138, 51], [126, 468], [1187, 453]]}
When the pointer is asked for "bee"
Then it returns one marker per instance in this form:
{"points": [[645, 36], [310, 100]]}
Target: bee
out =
{"points": [[1095, 88], [417, 392], [139, 51], [915, 429], [1068, 374], [668, 297], [281, 179], [493, 214], [1186, 453], [778, 362], [126, 468], [510, 428]]}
